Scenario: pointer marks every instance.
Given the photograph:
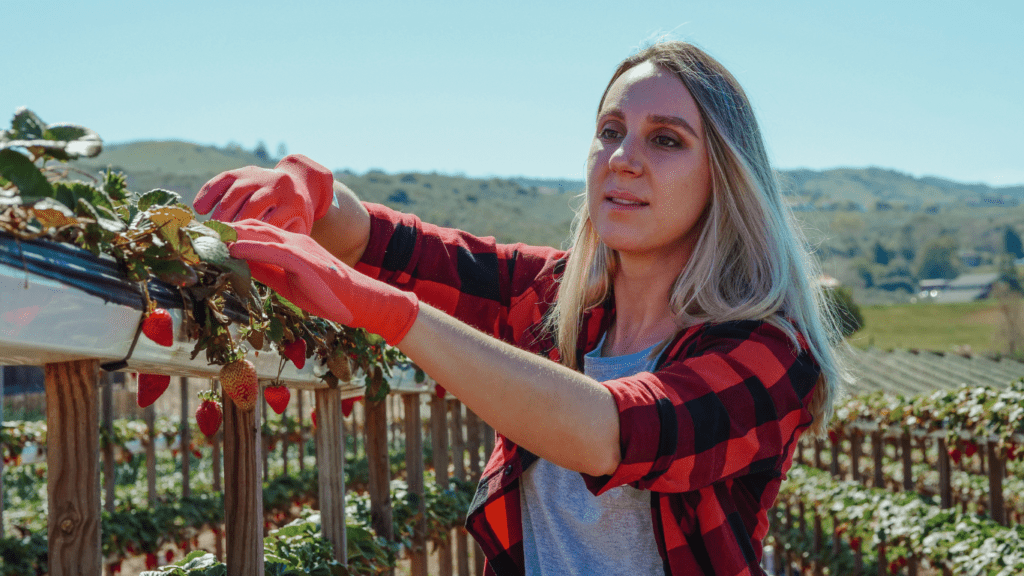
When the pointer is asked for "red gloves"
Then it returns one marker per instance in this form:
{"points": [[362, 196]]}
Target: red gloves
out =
{"points": [[305, 273], [291, 196]]}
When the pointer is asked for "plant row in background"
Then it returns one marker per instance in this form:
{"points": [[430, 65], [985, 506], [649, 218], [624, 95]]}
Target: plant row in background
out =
{"points": [[906, 527]]}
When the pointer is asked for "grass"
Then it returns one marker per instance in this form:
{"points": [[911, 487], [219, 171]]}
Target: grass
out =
{"points": [[938, 327]]}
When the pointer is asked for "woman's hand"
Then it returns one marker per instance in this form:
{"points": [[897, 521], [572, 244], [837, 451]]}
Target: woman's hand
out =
{"points": [[309, 276], [292, 196]]}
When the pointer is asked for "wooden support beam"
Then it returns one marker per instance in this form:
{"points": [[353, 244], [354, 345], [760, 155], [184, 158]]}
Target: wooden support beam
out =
{"points": [[877, 454], [414, 480], [439, 449], [906, 453], [945, 485], [996, 472], [377, 458], [459, 461], [73, 473], [149, 413], [218, 438], [186, 442], [108, 450], [473, 432], [243, 489], [330, 460], [856, 447], [302, 430]]}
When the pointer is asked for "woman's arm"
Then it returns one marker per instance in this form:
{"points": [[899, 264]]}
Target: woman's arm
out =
{"points": [[552, 411], [345, 229]]}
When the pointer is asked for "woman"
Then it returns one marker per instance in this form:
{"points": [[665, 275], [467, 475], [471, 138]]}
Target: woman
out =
{"points": [[648, 385]]}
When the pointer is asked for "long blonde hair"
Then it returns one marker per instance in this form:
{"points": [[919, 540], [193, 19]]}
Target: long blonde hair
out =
{"points": [[750, 261]]}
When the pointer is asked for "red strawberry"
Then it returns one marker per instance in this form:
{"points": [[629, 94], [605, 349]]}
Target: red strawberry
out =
{"points": [[855, 543], [151, 561], [296, 352], [1011, 451], [955, 454], [833, 437], [439, 391], [278, 397], [159, 327], [313, 416], [208, 417], [151, 387], [240, 382], [169, 555], [115, 568], [970, 449], [347, 404]]}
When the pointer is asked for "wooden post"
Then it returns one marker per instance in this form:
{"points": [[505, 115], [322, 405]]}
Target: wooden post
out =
{"points": [[414, 480], [216, 457], [243, 489], [266, 444], [459, 460], [996, 471], [473, 446], [817, 453], [149, 413], [834, 452], [439, 448], [73, 473], [302, 431], [906, 452], [377, 458], [330, 460], [856, 445], [883, 564], [877, 452], [186, 442], [108, 449], [945, 486]]}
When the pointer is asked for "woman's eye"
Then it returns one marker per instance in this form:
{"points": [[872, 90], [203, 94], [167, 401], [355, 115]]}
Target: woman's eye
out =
{"points": [[667, 141], [608, 134]]}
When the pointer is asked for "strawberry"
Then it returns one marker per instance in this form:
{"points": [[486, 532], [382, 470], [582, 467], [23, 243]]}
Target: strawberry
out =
{"points": [[209, 414], [955, 455], [313, 416], [296, 352], [240, 382], [439, 391], [151, 561], [151, 387], [159, 327], [855, 543], [169, 555], [347, 404], [278, 396], [833, 437], [970, 449]]}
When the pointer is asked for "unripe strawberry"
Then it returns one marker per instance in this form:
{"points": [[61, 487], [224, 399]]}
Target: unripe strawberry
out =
{"points": [[296, 352], [208, 417], [241, 383], [277, 397], [151, 387], [159, 327]]}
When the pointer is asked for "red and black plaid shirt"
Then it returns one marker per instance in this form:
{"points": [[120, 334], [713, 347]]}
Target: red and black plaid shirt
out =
{"points": [[710, 433]]}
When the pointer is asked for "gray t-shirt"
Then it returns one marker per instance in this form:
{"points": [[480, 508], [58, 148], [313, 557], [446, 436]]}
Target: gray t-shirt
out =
{"points": [[567, 531]]}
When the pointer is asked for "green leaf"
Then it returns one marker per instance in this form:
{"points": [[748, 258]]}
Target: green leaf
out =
{"points": [[158, 197], [276, 330], [29, 180], [26, 125], [226, 232], [284, 302], [174, 272]]}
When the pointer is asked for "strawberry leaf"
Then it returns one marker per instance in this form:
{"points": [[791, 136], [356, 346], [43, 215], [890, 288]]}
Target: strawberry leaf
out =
{"points": [[26, 177]]}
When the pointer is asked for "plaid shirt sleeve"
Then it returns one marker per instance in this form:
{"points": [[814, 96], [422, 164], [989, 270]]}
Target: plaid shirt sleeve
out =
{"points": [[730, 402], [471, 278]]}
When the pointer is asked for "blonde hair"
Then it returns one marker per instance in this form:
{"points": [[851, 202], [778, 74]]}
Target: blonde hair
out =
{"points": [[750, 261]]}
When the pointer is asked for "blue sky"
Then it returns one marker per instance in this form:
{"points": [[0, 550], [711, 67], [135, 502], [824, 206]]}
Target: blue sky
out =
{"points": [[925, 87]]}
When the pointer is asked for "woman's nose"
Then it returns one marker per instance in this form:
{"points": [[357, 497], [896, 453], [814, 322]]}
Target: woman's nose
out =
{"points": [[625, 158]]}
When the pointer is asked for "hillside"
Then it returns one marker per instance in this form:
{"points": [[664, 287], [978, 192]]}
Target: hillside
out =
{"points": [[874, 229]]}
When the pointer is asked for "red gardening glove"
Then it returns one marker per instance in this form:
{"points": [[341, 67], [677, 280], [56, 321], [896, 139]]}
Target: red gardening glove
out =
{"points": [[305, 273], [292, 196]]}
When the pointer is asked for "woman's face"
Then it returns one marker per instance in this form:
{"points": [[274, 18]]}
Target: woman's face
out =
{"points": [[648, 180]]}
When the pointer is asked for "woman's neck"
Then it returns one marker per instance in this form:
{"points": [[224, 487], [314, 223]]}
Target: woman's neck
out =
{"points": [[643, 316]]}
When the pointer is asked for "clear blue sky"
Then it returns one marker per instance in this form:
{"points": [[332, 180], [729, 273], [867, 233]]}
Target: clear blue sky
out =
{"points": [[926, 87]]}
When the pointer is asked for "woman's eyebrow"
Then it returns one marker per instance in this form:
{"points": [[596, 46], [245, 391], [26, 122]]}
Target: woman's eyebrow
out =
{"points": [[673, 121]]}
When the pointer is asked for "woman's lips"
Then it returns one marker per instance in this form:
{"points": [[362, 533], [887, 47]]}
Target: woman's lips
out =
{"points": [[624, 200]]}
